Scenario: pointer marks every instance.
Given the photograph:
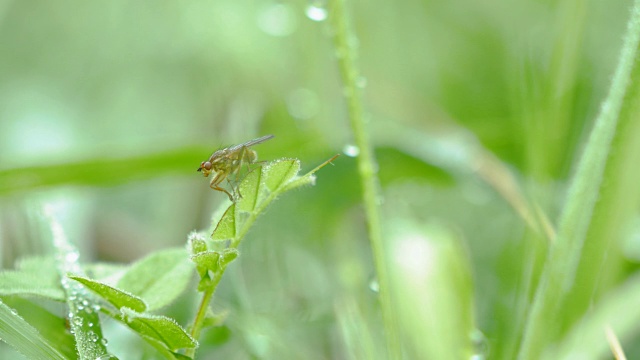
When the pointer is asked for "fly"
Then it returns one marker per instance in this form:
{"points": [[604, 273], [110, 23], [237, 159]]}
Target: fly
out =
{"points": [[228, 161]]}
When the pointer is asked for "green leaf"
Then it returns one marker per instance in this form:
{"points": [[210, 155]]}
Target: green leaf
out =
{"points": [[226, 228], [98, 170], [25, 284], [432, 278], [83, 316], [208, 260], [116, 297], [196, 243], [227, 256], [158, 278], [162, 349], [23, 337], [250, 190], [211, 319], [619, 310], [50, 326], [279, 172], [160, 328], [36, 276], [306, 179]]}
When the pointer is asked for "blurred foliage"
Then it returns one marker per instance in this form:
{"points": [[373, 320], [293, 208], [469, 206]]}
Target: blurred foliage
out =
{"points": [[108, 107]]}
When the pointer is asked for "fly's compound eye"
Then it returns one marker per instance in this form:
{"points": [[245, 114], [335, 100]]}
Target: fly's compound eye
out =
{"points": [[204, 166]]}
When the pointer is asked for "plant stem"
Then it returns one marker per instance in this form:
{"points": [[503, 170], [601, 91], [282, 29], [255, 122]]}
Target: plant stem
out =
{"points": [[202, 311], [235, 242], [352, 82], [588, 196]]}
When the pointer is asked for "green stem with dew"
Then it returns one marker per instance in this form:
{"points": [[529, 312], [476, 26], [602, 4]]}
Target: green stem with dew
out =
{"points": [[352, 83]]}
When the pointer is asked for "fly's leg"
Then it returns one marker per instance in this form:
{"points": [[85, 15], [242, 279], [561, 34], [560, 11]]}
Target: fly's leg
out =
{"points": [[215, 184]]}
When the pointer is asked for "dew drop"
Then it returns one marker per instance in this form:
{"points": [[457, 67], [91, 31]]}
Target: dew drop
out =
{"points": [[351, 150], [90, 324], [316, 12], [104, 341], [361, 82], [92, 336], [77, 320], [374, 285]]}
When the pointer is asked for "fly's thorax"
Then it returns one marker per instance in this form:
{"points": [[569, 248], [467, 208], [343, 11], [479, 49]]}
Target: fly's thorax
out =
{"points": [[217, 156], [224, 165]]}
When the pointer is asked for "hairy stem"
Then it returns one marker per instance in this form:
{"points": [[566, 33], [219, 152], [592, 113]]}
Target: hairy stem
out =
{"points": [[352, 88]]}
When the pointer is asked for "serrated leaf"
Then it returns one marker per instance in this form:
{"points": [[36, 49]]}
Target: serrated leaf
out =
{"points": [[226, 228], [23, 337], [280, 172], [158, 278], [116, 297], [196, 246], [29, 284], [160, 328], [35, 276], [250, 190], [227, 256], [208, 260], [306, 179]]}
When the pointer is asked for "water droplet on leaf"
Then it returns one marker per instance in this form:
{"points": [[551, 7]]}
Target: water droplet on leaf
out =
{"points": [[351, 150], [316, 12]]}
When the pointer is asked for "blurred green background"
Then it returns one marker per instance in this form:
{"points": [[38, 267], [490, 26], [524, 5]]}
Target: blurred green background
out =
{"points": [[108, 107]]}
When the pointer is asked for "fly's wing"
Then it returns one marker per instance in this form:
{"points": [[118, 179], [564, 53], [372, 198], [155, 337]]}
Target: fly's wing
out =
{"points": [[249, 143]]}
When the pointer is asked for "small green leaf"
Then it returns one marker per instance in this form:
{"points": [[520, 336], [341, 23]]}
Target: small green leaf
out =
{"points": [[36, 276], [23, 337], [249, 190], [226, 228], [158, 278], [306, 179], [116, 297], [196, 243], [279, 172], [227, 256], [211, 319], [208, 260], [161, 328]]}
